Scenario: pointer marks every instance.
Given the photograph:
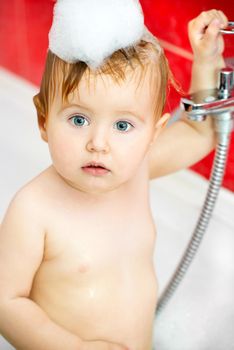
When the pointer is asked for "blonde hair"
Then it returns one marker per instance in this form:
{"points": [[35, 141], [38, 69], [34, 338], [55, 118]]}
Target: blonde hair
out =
{"points": [[143, 55]]}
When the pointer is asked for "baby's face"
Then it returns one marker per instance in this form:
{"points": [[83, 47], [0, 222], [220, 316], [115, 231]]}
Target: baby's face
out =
{"points": [[104, 123]]}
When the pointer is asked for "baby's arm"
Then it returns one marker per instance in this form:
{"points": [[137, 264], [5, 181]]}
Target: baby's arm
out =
{"points": [[22, 322], [186, 142]]}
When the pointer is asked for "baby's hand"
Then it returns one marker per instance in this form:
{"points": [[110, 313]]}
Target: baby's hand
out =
{"points": [[206, 41], [101, 345]]}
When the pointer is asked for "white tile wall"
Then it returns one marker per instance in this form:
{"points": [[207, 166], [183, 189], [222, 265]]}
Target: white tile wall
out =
{"points": [[201, 314]]}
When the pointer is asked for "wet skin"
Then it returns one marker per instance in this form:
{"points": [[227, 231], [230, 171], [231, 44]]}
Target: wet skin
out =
{"points": [[97, 277]]}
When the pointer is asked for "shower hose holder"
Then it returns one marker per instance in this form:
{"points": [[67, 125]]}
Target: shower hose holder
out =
{"points": [[217, 103]]}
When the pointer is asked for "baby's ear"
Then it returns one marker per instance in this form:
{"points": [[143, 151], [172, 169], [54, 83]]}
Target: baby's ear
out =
{"points": [[160, 125], [42, 127], [162, 122]]}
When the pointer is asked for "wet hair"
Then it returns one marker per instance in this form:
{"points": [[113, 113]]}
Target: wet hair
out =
{"points": [[144, 55]]}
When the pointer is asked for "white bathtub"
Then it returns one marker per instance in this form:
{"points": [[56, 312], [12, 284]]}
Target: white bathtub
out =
{"points": [[201, 315]]}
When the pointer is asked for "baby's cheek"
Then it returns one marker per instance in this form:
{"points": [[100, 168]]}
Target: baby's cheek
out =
{"points": [[61, 154]]}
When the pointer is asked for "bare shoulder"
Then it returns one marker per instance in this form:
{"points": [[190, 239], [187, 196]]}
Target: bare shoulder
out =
{"points": [[29, 202], [35, 193], [22, 237]]}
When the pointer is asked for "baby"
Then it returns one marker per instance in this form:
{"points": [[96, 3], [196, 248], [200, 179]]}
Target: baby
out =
{"points": [[77, 242]]}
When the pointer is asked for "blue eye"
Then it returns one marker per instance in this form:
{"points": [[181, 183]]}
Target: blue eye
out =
{"points": [[78, 120], [123, 125]]}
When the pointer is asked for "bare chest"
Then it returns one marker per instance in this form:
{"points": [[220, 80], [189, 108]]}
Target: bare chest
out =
{"points": [[91, 238], [96, 265]]}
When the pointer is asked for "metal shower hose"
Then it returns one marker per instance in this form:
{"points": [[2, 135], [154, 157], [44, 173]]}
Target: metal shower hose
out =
{"points": [[216, 178]]}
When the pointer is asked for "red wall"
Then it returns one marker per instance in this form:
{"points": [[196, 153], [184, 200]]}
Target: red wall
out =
{"points": [[168, 21], [24, 26]]}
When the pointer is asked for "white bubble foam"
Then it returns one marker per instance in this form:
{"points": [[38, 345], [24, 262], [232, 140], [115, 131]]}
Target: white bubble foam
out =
{"points": [[91, 30]]}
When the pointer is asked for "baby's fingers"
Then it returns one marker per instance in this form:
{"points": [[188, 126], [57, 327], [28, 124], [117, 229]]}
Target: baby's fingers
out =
{"points": [[118, 347], [102, 345], [198, 26], [212, 32], [224, 19]]}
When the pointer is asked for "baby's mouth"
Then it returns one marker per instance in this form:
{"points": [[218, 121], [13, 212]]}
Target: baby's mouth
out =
{"points": [[94, 168], [95, 165]]}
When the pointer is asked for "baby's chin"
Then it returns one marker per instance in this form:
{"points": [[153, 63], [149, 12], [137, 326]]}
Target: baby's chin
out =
{"points": [[94, 186]]}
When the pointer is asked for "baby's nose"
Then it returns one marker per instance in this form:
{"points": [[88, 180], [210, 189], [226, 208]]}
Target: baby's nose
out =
{"points": [[98, 141]]}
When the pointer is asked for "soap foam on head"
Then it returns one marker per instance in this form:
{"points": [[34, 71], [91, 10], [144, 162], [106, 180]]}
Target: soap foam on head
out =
{"points": [[91, 30]]}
